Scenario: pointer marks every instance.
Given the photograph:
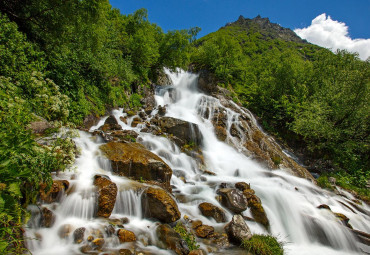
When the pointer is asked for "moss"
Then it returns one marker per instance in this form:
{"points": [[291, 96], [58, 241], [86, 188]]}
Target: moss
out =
{"points": [[323, 182], [187, 236], [263, 245]]}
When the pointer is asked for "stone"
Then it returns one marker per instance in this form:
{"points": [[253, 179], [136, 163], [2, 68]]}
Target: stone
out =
{"points": [[124, 252], [210, 210], [158, 203], [47, 218], [204, 231], [343, 219], [106, 195], [78, 235], [324, 206], [170, 239], [98, 243], [162, 110], [125, 236], [196, 252], [56, 191], [128, 136], [258, 212], [65, 231], [135, 161], [186, 131], [110, 123], [90, 238], [109, 230], [220, 240], [90, 120], [237, 230], [233, 199], [242, 186]]}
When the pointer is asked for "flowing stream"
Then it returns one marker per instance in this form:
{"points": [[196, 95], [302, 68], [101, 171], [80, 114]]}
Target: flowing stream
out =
{"points": [[290, 202]]}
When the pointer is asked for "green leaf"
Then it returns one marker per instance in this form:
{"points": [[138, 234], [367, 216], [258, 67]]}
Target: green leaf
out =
{"points": [[15, 190]]}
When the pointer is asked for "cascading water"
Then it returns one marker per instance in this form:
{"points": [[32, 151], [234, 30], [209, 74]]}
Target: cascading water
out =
{"points": [[290, 202]]}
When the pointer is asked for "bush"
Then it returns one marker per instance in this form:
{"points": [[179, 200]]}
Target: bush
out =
{"points": [[263, 245]]}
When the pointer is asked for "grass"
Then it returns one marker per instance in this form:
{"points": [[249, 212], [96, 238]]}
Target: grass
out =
{"points": [[263, 245]]}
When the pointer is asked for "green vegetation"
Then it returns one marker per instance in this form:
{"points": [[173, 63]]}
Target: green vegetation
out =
{"points": [[187, 236], [263, 245], [305, 95]]}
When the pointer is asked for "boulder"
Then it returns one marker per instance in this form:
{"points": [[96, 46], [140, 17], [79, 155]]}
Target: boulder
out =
{"points": [[65, 231], [196, 252], [170, 239], [210, 210], [257, 211], [55, 192], [125, 236], [106, 195], [78, 235], [204, 231], [159, 204], [47, 218], [110, 123], [237, 230], [186, 131], [233, 199], [133, 160], [98, 243]]}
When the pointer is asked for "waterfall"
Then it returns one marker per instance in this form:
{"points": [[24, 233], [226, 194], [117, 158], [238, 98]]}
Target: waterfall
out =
{"points": [[290, 202]]}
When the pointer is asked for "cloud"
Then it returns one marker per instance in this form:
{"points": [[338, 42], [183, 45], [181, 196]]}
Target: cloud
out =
{"points": [[333, 34]]}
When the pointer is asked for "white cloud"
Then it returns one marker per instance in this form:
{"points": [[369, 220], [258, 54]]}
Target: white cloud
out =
{"points": [[333, 34]]}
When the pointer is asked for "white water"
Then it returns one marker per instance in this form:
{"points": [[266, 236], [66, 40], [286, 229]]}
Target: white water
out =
{"points": [[290, 211]]}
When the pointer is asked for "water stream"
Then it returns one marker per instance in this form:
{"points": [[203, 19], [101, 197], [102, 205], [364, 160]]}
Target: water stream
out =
{"points": [[290, 202]]}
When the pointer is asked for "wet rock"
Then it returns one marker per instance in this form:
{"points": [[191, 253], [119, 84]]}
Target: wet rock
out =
{"points": [[204, 231], [237, 230], [90, 238], [90, 120], [109, 230], [185, 131], [170, 239], [78, 235], [207, 82], [233, 199], [125, 236], [98, 243], [136, 121], [158, 204], [56, 191], [242, 186], [196, 223], [65, 231], [210, 210], [47, 218], [196, 252], [133, 160], [123, 136], [86, 249], [343, 219], [258, 211], [124, 252], [110, 124], [220, 240], [324, 206], [111, 120], [161, 110], [106, 196]]}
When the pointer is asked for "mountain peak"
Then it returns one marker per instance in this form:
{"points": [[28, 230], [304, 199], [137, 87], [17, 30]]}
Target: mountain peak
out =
{"points": [[267, 29]]}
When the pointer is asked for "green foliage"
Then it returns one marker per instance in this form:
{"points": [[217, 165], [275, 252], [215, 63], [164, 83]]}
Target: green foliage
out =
{"points": [[323, 182], [263, 245], [187, 236]]}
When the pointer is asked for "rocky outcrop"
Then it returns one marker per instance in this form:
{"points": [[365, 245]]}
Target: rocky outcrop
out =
{"points": [[159, 204], [134, 161], [125, 236], [186, 132], [55, 192], [210, 210], [233, 199], [170, 239], [237, 230], [106, 195]]}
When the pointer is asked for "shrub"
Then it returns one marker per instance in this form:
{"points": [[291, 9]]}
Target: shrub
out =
{"points": [[263, 245]]}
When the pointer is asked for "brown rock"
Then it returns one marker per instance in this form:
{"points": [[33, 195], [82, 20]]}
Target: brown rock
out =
{"points": [[258, 211], [323, 206], [124, 252], [210, 210], [133, 160], [106, 194], [233, 199], [171, 240], [196, 223], [220, 240], [55, 192], [98, 243], [237, 230], [47, 218], [65, 230], [204, 231], [242, 186], [126, 236], [78, 235], [158, 204], [196, 252]]}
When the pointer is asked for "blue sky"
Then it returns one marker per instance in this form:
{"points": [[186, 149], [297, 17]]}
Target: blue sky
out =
{"points": [[210, 15]]}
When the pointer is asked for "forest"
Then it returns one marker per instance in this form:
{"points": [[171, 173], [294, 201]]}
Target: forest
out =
{"points": [[63, 60]]}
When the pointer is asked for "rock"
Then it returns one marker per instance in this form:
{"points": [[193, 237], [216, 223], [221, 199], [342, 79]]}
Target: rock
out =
{"points": [[197, 252], [343, 219], [65, 230], [242, 186], [111, 120], [162, 110], [324, 206], [207, 82], [56, 191], [39, 126], [86, 249], [124, 252], [98, 243], [204, 231], [332, 180], [90, 238], [110, 123], [210, 210], [171, 240], [220, 240], [125, 236], [133, 160], [90, 120], [136, 121], [258, 211], [158, 204], [109, 230], [233, 199], [47, 218], [78, 235], [106, 196], [237, 230], [185, 131], [128, 136]]}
